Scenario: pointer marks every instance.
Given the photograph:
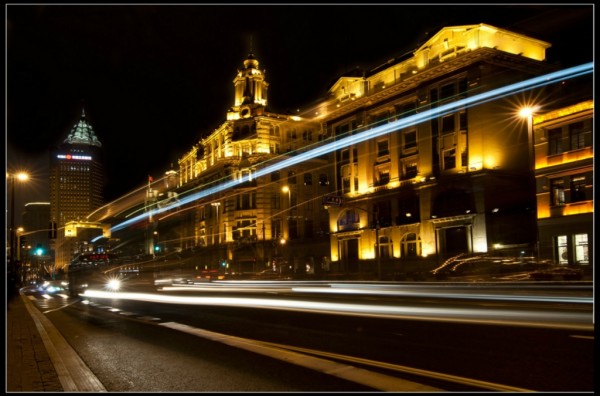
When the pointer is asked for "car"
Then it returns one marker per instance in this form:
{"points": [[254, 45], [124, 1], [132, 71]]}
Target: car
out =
{"points": [[53, 286], [557, 273]]}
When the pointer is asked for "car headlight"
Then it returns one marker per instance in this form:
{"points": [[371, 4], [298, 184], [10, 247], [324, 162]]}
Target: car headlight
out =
{"points": [[113, 284]]}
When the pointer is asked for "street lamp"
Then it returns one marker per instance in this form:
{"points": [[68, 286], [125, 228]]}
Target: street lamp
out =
{"points": [[22, 177], [216, 206], [288, 190], [527, 112]]}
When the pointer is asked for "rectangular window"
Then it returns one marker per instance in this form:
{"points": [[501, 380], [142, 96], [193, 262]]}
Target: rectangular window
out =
{"points": [[464, 149], [577, 135], [447, 91], [406, 110], [383, 148], [577, 188], [380, 119], [276, 230], [382, 176], [323, 180], [410, 139], [346, 177], [345, 155], [308, 179], [243, 202], [276, 201], [410, 170], [274, 176], [449, 159], [292, 177], [562, 249], [346, 185], [448, 124], [555, 141], [557, 187], [342, 130], [581, 248], [462, 120]]}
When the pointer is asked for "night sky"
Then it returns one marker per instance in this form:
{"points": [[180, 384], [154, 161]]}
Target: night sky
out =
{"points": [[155, 78]]}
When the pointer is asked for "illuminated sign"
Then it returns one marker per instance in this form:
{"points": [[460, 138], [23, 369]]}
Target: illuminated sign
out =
{"points": [[332, 200], [74, 157]]}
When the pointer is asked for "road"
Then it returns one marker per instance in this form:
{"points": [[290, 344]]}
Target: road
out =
{"points": [[460, 339]]}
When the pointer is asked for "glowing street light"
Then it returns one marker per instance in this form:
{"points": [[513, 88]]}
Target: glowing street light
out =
{"points": [[21, 177], [527, 112], [288, 190]]}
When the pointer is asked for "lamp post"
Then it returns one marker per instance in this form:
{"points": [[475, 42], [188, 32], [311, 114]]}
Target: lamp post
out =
{"points": [[20, 234], [527, 112], [288, 190], [21, 176]]}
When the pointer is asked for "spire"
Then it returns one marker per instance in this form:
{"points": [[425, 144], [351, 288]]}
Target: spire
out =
{"points": [[83, 133], [250, 85]]}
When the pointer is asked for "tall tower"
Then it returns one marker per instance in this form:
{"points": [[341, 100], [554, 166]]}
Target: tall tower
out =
{"points": [[250, 90], [76, 183]]}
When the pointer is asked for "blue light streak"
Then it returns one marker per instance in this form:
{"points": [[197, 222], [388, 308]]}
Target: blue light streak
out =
{"points": [[427, 115]]}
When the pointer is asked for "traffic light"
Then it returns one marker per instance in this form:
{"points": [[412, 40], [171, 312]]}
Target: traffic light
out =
{"points": [[39, 250]]}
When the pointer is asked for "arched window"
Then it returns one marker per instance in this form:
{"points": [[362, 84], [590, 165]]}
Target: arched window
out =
{"points": [[349, 220], [410, 245], [385, 247]]}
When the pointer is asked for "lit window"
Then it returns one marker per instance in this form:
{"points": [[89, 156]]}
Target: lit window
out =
{"points": [[577, 188], [562, 249], [558, 192], [581, 248]]}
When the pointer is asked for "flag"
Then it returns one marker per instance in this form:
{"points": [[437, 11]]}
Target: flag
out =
{"points": [[150, 179]]}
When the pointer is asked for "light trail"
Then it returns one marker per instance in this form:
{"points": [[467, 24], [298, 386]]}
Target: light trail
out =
{"points": [[505, 317], [427, 115]]}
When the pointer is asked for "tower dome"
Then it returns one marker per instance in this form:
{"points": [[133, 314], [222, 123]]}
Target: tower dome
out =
{"points": [[83, 133]]}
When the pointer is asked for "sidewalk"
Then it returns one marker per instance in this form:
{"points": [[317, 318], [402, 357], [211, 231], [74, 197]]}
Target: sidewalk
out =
{"points": [[28, 364]]}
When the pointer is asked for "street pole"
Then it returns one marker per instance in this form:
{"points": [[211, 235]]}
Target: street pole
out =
{"points": [[12, 266], [528, 113], [12, 228]]}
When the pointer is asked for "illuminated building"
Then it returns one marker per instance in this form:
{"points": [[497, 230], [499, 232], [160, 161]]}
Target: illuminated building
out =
{"points": [[460, 182], [564, 174], [247, 224], [76, 185], [455, 184]]}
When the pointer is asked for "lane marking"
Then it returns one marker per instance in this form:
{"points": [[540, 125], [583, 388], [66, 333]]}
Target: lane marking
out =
{"points": [[406, 369], [350, 373], [582, 337]]}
